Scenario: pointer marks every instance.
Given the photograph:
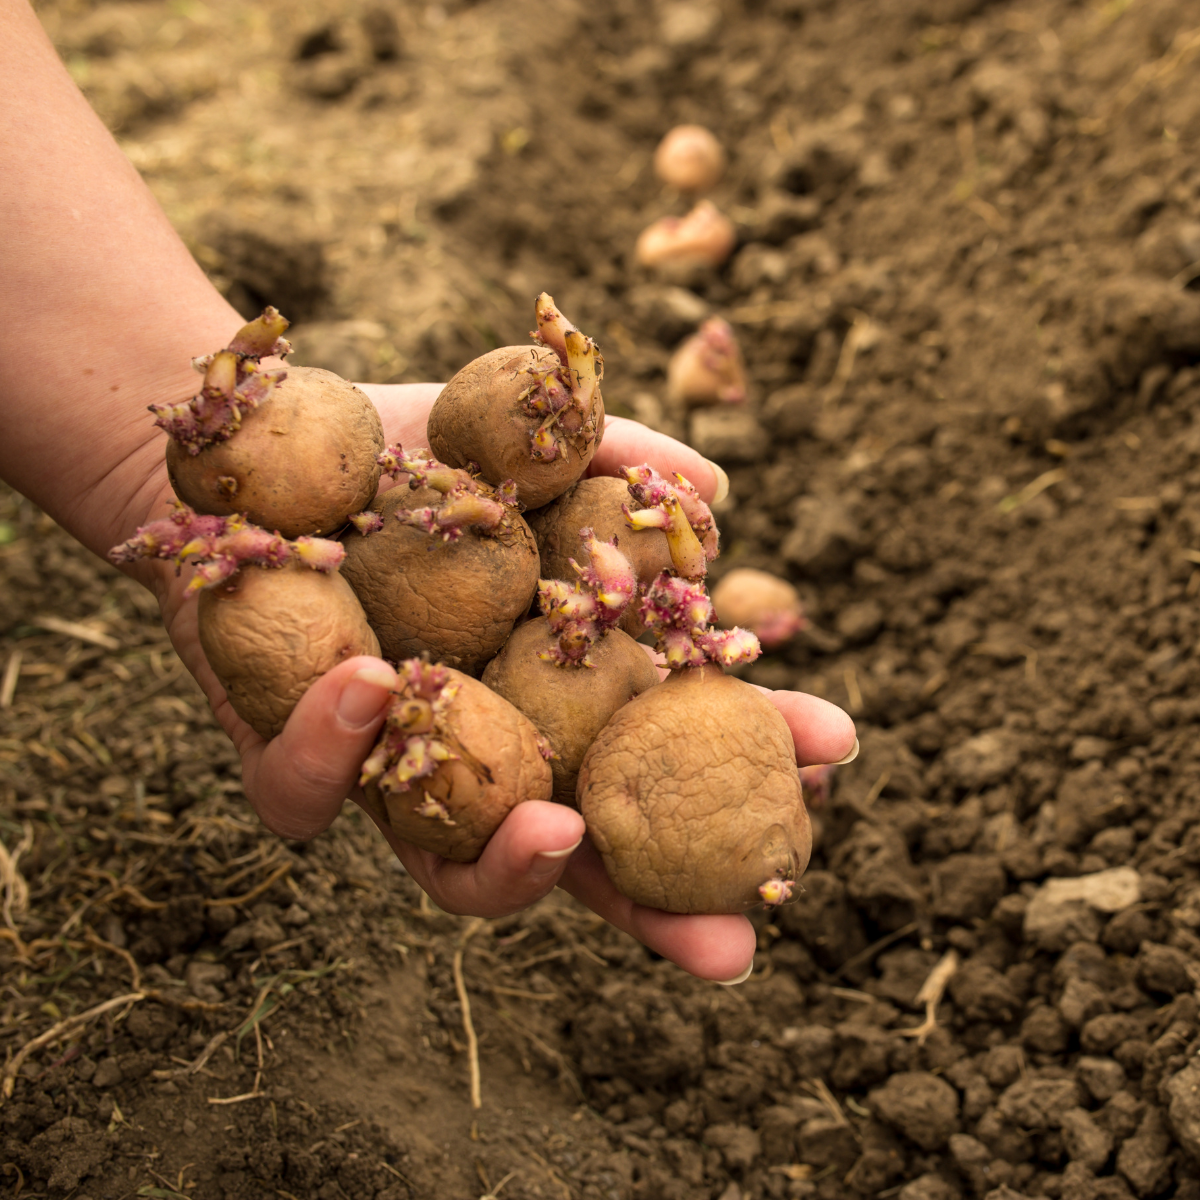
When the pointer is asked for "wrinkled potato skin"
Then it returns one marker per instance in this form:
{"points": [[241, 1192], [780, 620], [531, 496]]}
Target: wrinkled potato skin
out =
{"points": [[303, 461], [692, 796], [478, 418], [270, 633], [569, 705], [456, 601], [597, 502], [492, 732]]}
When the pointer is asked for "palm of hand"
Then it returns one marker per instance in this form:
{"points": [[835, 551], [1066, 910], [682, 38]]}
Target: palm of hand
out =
{"points": [[298, 781]]}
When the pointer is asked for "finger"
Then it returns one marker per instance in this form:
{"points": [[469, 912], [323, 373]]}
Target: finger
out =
{"points": [[520, 864], [716, 947], [823, 733], [298, 781], [627, 443], [404, 409]]}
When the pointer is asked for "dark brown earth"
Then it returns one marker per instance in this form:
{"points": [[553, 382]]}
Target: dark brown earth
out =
{"points": [[969, 243]]}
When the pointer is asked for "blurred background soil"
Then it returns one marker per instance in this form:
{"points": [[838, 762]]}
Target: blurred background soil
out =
{"points": [[969, 248]]}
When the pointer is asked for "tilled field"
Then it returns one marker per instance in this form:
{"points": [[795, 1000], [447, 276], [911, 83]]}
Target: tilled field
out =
{"points": [[969, 243]]}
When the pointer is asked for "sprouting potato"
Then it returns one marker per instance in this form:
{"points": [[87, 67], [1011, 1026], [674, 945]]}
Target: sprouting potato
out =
{"points": [[273, 615], [530, 414], [293, 450], [571, 669], [452, 761], [691, 792], [449, 567]]}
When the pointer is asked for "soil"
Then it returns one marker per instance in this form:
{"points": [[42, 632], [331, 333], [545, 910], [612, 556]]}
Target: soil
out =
{"points": [[969, 246]]}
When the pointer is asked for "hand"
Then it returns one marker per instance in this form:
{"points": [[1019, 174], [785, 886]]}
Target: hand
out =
{"points": [[298, 781]]}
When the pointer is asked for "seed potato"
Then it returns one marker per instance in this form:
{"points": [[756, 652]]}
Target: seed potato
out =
{"points": [[301, 463], [456, 601], [692, 796], [270, 633]]}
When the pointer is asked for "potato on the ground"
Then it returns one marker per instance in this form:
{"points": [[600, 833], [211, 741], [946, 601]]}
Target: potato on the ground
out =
{"points": [[691, 792], [532, 414], [689, 158], [452, 761], [705, 237], [449, 570], [761, 602], [707, 368], [571, 669]]}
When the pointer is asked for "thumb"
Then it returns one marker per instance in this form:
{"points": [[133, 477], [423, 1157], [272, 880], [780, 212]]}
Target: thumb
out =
{"points": [[298, 781]]}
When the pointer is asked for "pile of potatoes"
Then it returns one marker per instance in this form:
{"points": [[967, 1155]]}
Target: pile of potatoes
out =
{"points": [[510, 592]]}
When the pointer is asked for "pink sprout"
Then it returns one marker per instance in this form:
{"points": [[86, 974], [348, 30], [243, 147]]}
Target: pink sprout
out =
{"points": [[678, 611], [776, 891], [675, 507], [234, 384], [579, 615], [562, 395], [413, 742], [367, 522], [467, 501], [218, 547]]}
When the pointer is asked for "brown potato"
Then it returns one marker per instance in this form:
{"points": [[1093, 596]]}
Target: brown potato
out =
{"points": [[479, 417], [301, 463], [596, 504], [270, 633], [569, 705], [499, 764], [456, 601], [692, 796]]}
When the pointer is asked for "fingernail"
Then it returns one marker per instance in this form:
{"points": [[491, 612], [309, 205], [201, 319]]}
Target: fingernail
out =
{"points": [[722, 481], [841, 762], [738, 979], [364, 695], [544, 861]]}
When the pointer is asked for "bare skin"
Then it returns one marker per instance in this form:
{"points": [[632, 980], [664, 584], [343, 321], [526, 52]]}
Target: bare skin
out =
{"points": [[101, 310]]}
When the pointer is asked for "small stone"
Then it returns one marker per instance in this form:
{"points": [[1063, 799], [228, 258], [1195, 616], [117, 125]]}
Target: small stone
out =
{"points": [[1064, 911], [824, 535], [1102, 1077], [812, 1049], [189, 1126], [987, 758], [1164, 969], [919, 1105], [1038, 1103], [1003, 1065], [826, 1143], [740, 1145], [1145, 1159], [1081, 1000], [929, 1187], [1183, 1092], [967, 886], [108, 1073], [860, 622], [203, 978], [1084, 1140], [1044, 1031], [1102, 1035], [1121, 1115]]}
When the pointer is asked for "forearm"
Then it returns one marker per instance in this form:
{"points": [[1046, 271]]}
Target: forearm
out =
{"points": [[101, 305]]}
